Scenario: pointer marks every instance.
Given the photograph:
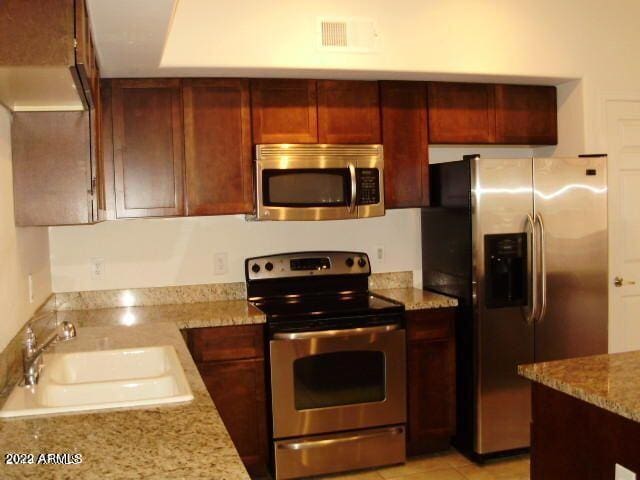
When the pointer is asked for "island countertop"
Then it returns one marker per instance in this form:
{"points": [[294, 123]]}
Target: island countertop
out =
{"points": [[186, 440], [611, 382]]}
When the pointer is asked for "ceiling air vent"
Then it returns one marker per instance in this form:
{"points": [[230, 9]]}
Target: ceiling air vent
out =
{"points": [[355, 35]]}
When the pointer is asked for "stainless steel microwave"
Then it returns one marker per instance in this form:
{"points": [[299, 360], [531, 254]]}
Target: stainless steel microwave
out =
{"points": [[319, 182]]}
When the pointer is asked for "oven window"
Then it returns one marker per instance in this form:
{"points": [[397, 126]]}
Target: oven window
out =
{"points": [[306, 187], [340, 378]]}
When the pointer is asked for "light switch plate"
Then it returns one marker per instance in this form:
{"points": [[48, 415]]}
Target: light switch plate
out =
{"points": [[624, 473]]}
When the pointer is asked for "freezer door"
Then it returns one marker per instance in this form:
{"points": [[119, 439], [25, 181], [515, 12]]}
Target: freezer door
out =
{"points": [[502, 201], [571, 205]]}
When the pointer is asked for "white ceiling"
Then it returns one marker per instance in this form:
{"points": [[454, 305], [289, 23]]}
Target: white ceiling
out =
{"points": [[254, 38]]}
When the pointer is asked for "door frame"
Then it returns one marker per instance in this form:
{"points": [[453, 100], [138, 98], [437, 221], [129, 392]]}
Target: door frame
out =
{"points": [[602, 139]]}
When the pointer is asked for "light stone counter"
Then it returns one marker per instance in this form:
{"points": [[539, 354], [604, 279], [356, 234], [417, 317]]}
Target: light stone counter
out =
{"points": [[416, 299], [611, 382], [186, 441]]}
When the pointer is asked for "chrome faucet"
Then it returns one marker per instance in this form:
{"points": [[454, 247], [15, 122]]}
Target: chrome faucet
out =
{"points": [[32, 353]]}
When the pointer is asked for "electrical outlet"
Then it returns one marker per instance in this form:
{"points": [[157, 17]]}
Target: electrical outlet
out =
{"points": [[220, 263], [380, 254], [30, 283], [624, 473], [97, 268]]}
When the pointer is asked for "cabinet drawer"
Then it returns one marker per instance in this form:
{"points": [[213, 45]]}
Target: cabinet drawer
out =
{"points": [[226, 343], [429, 324]]}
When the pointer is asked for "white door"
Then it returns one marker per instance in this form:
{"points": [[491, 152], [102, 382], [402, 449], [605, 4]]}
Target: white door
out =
{"points": [[623, 137]]}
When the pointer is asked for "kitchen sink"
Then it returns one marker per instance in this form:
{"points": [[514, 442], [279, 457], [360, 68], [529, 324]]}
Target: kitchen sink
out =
{"points": [[98, 380]]}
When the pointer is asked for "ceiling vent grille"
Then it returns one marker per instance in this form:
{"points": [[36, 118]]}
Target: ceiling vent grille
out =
{"points": [[352, 35], [334, 34]]}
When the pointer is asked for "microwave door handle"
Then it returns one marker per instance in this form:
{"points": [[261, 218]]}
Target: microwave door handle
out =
{"points": [[354, 186]]}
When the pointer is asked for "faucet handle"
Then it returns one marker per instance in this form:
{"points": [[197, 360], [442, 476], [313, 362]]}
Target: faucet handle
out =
{"points": [[68, 331], [29, 338]]}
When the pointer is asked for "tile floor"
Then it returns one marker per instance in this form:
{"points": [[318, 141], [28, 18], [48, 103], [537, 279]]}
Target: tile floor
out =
{"points": [[450, 465]]}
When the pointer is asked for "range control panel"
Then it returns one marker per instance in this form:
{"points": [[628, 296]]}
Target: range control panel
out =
{"points": [[307, 264]]}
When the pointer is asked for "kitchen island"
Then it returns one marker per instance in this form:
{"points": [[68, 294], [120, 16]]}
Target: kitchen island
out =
{"points": [[586, 417]]}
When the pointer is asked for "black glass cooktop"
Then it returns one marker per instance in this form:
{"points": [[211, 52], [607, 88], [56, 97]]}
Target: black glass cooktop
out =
{"points": [[326, 305]]}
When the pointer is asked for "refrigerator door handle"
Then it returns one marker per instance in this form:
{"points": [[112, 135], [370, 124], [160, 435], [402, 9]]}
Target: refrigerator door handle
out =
{"points": [[531, 316], [543, 269]]}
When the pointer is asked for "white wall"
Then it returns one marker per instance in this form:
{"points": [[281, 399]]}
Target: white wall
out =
{"points": [[23, 251], [180, 251]]}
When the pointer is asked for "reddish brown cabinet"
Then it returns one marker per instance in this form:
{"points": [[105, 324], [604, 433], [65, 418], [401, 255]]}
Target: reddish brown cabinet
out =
{"points": [[430, 380], [217, 127], [148, 147], [231, 363], [284, 111], [405, 141], [461, 113], [348, 112], [526, 115], [470, 113]]}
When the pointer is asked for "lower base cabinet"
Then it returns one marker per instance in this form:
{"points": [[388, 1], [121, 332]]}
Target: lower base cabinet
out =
{"points": [[575, 440], [430, 380], [231, 363]]}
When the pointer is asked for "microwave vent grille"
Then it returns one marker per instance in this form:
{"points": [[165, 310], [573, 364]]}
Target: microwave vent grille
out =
{"points": [[265, 151]]}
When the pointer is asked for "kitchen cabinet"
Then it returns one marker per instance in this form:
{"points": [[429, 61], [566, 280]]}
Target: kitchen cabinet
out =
{"points": [[526, 115], [469, 113], [57, 155], [405, 141], [231, 363], [575, 440], [219, 166], [461, 113], [284, 111], [47, 54], [348, 112], [148, 147], [430, 380]]}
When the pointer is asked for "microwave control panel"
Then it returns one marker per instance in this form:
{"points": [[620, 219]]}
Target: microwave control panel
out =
{"points": [[368, 186]]}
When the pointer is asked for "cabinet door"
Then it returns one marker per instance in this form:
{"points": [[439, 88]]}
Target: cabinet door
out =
{"points": [[218, 147], [526, 115], [51, 168], [148, 148], [430, 380], [404, 136], [461, 113], [237, 388], [284, 111], [348, 112]]}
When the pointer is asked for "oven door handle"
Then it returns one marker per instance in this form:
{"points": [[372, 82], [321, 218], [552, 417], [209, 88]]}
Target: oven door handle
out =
{"points": [[332, 441], [354, 187], [350, 332]]}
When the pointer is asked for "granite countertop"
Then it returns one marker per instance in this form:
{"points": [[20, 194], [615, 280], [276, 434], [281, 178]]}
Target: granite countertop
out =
{"points": [[185, 315], [172, 441], [611, 382], [416, 299]]}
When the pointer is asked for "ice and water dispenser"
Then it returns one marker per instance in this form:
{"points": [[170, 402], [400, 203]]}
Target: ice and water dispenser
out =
{"points": [[506, 270]]}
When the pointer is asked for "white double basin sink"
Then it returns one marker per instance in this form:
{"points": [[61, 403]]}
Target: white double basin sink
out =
{"points": [[98, 380]]}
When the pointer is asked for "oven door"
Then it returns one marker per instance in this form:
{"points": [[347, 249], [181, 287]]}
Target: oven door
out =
{"points": [[306, 189], [335, 380]]}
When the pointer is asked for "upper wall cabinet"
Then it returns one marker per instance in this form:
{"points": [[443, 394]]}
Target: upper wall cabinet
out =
{"points": [[348, 112], [52, 178], [404, 136], [467, 113], [148, 148], [526, 115], [42, 69], [218, 146], [461, 113], [284, 111]]}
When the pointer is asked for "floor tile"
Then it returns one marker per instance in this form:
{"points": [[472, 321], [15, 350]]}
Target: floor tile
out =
{"points": [[444, 474]]}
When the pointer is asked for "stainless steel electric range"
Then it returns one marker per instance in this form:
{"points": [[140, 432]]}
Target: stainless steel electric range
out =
{"points": [[337, 363]]}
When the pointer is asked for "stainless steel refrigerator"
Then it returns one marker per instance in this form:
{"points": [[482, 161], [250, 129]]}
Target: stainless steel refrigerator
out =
{"points": [[522, 243]]}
